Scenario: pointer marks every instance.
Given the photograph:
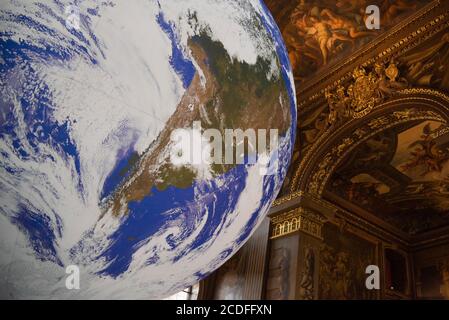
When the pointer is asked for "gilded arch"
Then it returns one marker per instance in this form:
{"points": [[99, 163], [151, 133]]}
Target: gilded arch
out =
{"points": [[408, 106]]}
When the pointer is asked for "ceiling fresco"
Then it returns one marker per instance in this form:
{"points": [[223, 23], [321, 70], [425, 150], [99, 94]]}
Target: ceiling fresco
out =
{"points": [[419, 156], [401, 176], [426, 65], [319, 33]]}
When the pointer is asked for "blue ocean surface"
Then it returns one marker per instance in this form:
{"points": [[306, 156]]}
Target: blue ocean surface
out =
{"points": [[40, 129], [180, 63], [145, 218], [121, 171]]}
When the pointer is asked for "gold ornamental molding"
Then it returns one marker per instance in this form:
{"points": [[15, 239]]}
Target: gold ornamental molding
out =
{"points": [[367, 129], [328, 151], [426, 28], [299, 219], [332, 159], [339, 213], [287, 198]]}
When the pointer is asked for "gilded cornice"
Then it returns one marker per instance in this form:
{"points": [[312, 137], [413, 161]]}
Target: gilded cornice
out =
{"points": [[427, 25]]}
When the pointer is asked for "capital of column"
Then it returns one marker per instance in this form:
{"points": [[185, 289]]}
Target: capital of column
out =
{"points": [[298, 219]]}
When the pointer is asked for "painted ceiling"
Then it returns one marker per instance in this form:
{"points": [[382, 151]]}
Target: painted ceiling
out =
{"points": [[401, 176], [319, 33]]}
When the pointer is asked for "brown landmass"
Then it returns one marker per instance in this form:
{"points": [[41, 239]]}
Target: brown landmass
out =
{"points": [[234, 95]]}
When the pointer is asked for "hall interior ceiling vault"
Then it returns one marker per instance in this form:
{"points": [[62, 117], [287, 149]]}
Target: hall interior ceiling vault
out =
{"points": [[394, 168]]}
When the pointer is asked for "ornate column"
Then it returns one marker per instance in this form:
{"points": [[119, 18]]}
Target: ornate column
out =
{"points": [[298, 219], [294, 259]]}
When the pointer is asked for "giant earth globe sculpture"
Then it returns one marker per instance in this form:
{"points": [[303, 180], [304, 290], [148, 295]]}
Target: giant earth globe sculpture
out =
{"points": [[90, 94]]}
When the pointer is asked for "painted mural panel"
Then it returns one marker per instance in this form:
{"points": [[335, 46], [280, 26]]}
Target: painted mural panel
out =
{"points": [[343, 261]]}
